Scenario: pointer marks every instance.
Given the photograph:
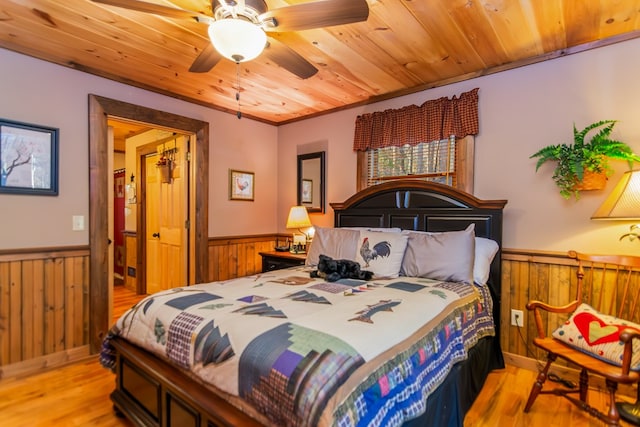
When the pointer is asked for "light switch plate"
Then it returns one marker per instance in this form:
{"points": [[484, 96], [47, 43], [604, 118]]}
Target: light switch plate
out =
{"points": [[78, 223]]}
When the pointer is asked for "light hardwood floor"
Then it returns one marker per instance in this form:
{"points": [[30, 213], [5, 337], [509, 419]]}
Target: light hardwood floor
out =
{"points": [[78, 395]]}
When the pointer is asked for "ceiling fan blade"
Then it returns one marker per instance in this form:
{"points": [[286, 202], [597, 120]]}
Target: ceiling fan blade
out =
{"points": [[207, 59], [156, 9], [322, 13], [289, 59]]}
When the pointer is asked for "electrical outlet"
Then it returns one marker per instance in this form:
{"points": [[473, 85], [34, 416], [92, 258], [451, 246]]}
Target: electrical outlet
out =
{"points": [[517, 318]]}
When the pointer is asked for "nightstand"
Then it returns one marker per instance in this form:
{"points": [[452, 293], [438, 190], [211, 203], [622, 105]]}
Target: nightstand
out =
{"points": [[277, 260]]}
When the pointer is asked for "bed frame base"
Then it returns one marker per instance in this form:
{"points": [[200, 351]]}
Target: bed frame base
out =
{"points": [[151, 393]]}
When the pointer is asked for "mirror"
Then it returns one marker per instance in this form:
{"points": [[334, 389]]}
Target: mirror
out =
{"points": [[311, 181]]}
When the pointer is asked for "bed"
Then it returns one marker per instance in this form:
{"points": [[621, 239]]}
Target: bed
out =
{"points": [[403, 349]]}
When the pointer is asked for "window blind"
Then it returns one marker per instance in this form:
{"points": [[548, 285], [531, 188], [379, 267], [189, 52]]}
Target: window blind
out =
{"points": [[429, 161]]}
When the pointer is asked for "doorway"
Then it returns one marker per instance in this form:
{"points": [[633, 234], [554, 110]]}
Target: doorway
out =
{"points": [[156, 160], [100, 110]]}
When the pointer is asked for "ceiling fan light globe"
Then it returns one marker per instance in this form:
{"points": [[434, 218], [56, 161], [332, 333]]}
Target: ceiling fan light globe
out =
{"points": [[236, 39]]}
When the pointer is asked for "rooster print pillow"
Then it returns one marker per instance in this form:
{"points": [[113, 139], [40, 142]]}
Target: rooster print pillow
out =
{"points": [[598, 334], [381, 252]]}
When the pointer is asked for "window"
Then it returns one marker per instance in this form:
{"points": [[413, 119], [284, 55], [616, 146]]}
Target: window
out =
{"points": [[425, 156], [447, 161]]}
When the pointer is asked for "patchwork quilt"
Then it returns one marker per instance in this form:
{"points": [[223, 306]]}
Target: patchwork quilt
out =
{"points": [[304, 352]]}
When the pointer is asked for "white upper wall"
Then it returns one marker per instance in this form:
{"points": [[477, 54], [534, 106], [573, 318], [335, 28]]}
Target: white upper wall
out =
{"points": [[42, 93], [521, 111]]}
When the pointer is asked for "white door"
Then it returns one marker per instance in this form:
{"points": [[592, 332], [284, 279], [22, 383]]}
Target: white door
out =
{"points": [[166, 231]]}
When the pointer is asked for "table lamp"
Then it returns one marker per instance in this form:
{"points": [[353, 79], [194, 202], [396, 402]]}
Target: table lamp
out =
{"points": [[298, 219]]}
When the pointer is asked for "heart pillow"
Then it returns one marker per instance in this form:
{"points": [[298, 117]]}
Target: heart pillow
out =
{"points": [[598, 334]]}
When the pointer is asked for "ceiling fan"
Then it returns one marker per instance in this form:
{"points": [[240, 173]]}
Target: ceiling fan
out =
{"points": [[239, 29]]}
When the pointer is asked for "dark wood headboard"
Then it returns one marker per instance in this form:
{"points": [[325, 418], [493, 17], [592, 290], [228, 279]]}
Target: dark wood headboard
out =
{"points": [[425, 206]]}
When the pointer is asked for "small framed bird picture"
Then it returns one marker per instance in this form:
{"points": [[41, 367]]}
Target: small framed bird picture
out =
{"points": [[241, 185]]}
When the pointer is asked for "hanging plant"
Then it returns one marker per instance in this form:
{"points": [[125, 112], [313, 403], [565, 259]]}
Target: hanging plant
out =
{"points": [[164, 164], [580, 159], [162, 161]]}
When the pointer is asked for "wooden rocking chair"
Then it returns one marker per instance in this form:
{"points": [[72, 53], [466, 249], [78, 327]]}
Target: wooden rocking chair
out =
{"points": [[611, 285]]}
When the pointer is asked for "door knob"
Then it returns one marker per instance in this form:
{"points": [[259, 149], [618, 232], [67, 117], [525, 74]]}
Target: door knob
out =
{"points": [[156, 235]]}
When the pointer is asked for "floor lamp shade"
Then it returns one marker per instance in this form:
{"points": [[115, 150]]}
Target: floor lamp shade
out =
{"points": [[624, 201]]}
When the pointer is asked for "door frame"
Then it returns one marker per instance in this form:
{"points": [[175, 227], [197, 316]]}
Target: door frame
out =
{"points": [[100, 108]]}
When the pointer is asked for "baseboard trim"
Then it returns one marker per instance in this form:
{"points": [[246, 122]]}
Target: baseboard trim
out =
{"points": [[44, 363]]}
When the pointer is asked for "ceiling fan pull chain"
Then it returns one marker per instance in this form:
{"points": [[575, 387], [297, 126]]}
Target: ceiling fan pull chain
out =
{"points": [[238, 113]]}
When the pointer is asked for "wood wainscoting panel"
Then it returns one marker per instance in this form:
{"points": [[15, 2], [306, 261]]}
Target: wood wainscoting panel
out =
{"points": [[527, 275], [131, 261], [231, 257], [44, 304], [543, 276]]}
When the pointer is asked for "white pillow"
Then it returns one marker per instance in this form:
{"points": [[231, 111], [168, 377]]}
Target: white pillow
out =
{"points": [[337, 243], [447, 256], [390, 230], [381, 252], [486, 250]]}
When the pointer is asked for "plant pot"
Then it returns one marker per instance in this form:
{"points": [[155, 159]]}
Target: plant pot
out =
{"points": [[165, 173], [591, 181]]}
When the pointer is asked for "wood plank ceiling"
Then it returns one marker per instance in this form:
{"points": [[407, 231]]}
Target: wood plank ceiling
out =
{"points": [[405, 46]]}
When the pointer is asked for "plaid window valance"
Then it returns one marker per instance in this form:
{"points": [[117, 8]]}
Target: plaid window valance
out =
{"points": [[434, 120]]}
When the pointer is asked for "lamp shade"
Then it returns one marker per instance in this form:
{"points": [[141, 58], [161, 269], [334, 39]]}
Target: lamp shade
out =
{"points": [[298, 218], [624, 201], [237, 39]]}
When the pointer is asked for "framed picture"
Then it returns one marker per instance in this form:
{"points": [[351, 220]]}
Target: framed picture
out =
{"points": [[28, 159], [307, 191], [241, 185]]}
